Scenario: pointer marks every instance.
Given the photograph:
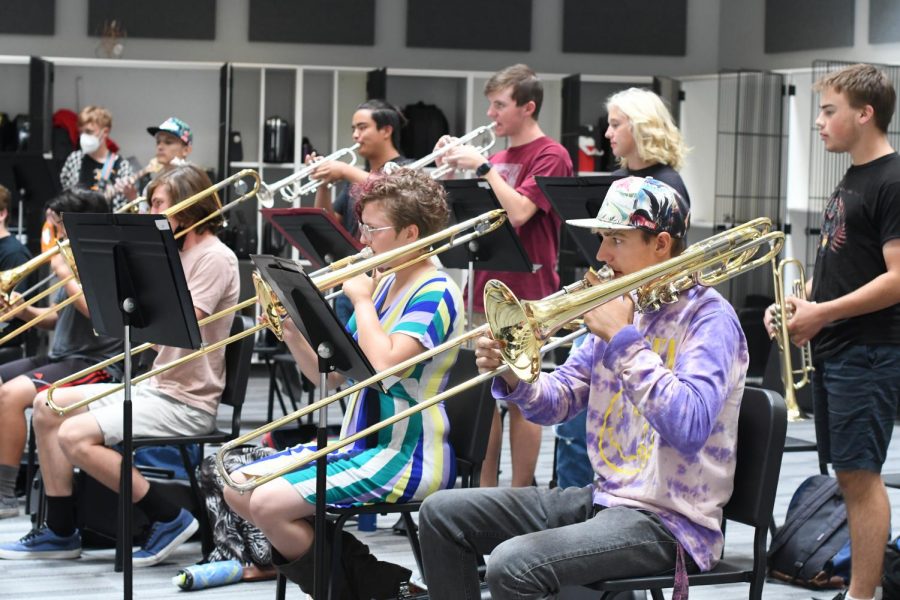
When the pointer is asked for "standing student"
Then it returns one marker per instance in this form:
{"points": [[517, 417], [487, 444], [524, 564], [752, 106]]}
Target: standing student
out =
{"points": [[515, 95], [182, 401], [95, 166], [852, 316]]}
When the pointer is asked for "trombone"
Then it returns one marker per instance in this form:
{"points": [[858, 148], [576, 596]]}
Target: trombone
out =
{"points": [[274, 311], [236, 179], [290, 187], [439, 172], [793, 379], [707, 263]]}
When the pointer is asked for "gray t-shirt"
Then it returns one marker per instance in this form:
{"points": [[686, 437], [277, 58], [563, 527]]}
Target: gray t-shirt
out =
{"points": [[74, 336]]}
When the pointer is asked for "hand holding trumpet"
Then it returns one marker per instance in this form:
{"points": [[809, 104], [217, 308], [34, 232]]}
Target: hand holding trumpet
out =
{"points": [[805, 320]]}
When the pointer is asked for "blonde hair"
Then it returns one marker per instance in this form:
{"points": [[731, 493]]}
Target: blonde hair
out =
{"points": [[655, 135], [97, 115]]}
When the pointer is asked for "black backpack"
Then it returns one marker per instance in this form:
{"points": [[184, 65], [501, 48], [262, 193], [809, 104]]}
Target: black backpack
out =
{"points": [[425, 124], [812, 547]]}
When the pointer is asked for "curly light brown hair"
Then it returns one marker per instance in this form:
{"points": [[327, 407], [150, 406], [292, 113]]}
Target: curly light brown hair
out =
{"points": [[409, 198]]}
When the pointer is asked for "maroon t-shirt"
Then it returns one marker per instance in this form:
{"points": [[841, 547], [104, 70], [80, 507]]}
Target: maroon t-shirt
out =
{"points": [[540, 234]]}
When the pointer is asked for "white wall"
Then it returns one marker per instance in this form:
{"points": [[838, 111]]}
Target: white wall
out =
{"points": [[389, 50]]}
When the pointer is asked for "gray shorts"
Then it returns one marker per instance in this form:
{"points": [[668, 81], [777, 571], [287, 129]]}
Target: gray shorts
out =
{"points": [[153, 414]]}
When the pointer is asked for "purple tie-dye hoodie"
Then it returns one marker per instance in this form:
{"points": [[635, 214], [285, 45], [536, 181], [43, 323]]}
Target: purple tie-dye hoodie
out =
{"points": [[662, 401]]}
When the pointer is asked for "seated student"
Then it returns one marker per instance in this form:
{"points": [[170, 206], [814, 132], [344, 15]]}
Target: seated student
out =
{"points": [[174, 143], [663, 391], [96, 165], [395, 318], [180, 401], [12, 254], [74, 347]]}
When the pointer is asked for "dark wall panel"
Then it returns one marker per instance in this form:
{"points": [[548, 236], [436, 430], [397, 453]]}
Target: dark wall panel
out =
{"points": [[884, 21], [654, 27], [349, 22], [36, 17], [469, 24], [808, 25], [160, 19]]}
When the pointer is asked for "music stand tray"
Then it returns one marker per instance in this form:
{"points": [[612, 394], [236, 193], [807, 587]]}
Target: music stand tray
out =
{"points": [[314, 232], [576, 198], [135, 288]]}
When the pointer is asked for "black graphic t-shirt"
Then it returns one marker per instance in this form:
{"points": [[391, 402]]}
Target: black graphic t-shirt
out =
{"points": [[862, 215]]}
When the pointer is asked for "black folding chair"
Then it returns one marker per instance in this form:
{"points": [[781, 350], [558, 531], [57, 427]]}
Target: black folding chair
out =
{"points": [[761, 431]]}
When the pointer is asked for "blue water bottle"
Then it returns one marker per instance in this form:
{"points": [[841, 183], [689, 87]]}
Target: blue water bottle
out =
{"points": [[366, 522], [198, 577]]}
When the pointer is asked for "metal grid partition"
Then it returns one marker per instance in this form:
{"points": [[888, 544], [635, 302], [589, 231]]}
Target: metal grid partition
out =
{"points": [[750, 163], [826, 169]]}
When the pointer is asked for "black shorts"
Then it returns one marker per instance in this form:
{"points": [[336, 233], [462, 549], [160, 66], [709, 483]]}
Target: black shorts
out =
{"points": [[43, 372], [855, 395]]}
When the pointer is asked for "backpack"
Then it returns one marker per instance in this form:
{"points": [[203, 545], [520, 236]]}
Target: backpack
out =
{"points": [[812, 548], [890, 582], [425, 124]]}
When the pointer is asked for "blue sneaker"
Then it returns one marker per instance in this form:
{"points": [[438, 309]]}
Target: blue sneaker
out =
{"points": [[164, 538], [42, 543]]}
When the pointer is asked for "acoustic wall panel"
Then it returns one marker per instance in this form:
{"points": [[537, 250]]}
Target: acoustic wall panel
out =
{"points": [[35, 17], [652, 27], [808, 24], [469, 24], [160, 19], [350, 22], [884, 21]]}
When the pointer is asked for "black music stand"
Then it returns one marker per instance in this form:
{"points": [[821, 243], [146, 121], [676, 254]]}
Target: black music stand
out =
{"points": [[147, 301], [500, 250], [337, 351], [318, 236], [577, 198]]}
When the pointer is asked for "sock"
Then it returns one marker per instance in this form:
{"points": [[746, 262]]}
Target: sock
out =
{"points": [[8, 477], [61, 515], [156, 506]]}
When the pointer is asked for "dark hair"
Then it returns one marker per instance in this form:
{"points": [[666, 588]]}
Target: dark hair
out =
{"points": [[78, 200], [679, 244], [409, 197], [384, 114], [863, 85], [526, 87], [183, 182]]}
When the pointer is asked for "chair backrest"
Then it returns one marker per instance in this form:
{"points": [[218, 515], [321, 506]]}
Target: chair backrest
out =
{"points": [[237, 370], [762, 427], [470, 414]]}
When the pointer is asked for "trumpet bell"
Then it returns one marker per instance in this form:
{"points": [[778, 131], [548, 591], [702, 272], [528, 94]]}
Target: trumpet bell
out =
{"points": [[265, 197]]}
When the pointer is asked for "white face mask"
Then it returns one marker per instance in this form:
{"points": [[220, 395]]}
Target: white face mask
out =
{"points": [[89, 143]]}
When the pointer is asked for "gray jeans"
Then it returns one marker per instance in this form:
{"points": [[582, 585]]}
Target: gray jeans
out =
{"points": [[539, 541]]}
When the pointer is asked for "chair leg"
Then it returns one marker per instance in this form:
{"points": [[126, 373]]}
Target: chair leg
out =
{"points": [[412, 535], [30, 469], [280, 587], [206, 540], [337, 567]]}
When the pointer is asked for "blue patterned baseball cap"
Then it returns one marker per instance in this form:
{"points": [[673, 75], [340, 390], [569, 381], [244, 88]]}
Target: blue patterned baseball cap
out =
{"points": [[176, 127], [640, 203]]}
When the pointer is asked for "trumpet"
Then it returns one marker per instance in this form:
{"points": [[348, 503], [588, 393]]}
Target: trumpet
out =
{"points": [[523, 326], [793, 379], [713, 261], [274, 310], [290, 187], [237, 180], [439, 172]]}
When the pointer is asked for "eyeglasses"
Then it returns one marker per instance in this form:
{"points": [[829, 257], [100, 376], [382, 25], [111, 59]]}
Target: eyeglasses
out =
{"points": [[367, 231]]}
